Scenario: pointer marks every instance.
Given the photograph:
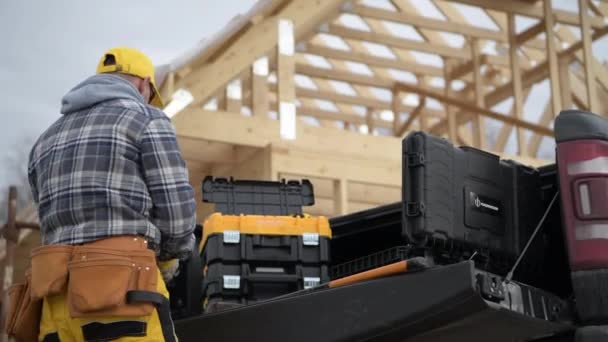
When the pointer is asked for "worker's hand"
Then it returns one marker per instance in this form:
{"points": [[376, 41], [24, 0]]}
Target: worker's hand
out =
{"points": [[169, 269]]}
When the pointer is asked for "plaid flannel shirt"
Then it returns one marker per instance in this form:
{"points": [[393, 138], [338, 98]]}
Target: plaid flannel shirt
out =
{"points": [[113, 169]]}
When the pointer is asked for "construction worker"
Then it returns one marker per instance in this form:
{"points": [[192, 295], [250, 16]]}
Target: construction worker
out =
{"points": [[113, 200]]}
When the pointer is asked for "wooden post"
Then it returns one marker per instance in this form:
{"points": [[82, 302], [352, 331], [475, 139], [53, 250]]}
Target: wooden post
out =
{"points": [[168, 88], [422, 119], [340, 196], [516, 81], [564, 81], [11, 235], [583, 6], [556, 104], [285, 79], [478, 124], [234, 96], [449, 112], [369, 119], [259, 87], [395, 104]]}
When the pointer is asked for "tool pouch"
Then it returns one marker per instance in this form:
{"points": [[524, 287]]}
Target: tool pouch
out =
{"points": [[23, 312], [50, 270], [99, 279]]}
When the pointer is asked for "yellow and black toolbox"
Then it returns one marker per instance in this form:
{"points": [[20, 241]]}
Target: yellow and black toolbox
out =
{"points": [[249, 255]]}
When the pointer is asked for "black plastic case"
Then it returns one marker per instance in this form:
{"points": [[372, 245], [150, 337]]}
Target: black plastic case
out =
{"points": [[467, 196], [246, 283], [235, 197], [285, 249]]}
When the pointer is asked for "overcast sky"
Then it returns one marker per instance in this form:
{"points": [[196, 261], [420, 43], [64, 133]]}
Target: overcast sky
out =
{"points": [[49, 46]]}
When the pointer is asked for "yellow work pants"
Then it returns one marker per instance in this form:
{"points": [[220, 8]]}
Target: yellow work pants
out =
{"points": [[57, 325]]}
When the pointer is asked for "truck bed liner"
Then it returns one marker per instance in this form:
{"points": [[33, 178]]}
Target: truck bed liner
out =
{"points": [[440, 304]]}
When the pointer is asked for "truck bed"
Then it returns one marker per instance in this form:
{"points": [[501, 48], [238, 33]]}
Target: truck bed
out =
{"points": [[439, 304]]}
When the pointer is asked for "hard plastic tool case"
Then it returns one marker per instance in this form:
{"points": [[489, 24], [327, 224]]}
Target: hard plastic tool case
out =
{"points": [[235, 197], [467, 199], [250, 258], [373, 238]]}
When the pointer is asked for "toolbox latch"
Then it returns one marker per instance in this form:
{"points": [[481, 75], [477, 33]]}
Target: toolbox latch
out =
{"points": [[232, 236], [232, 282], [310, 282], [415, 159], [413, 209], [310, 239]]}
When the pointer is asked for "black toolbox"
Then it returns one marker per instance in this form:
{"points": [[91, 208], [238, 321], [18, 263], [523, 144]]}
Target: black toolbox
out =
{"points": [[251, 197], [436, 177], [251, 258], [468, 200], [258, 244]]}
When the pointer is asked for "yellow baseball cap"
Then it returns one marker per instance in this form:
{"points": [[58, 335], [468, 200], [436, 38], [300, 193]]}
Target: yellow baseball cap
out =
{"points": [[132, 62]]}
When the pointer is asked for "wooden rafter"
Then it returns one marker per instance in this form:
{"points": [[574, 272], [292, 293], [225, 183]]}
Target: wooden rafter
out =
{"points": [[520, 61], [475, 109], [529, 10]]}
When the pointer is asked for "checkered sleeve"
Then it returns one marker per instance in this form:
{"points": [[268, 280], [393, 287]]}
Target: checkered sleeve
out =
{"points": [[173, 200], [32, 177]]}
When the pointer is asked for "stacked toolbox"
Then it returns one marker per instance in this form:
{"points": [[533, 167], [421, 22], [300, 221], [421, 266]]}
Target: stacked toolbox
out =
{"points": [[465, 201], [258, 244]]}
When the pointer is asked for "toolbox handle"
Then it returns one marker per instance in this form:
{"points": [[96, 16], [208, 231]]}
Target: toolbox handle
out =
{"points": [[273, 278], [284, 250]]}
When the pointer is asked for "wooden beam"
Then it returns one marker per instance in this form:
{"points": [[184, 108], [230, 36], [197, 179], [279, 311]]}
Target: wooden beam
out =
{"points": [[583, 6], [371, 60], [339, 98], [350, 116], [168, 87], [344, 76], [564, 81], [360, 101], [479, 127], [556, 104], [256, 166], [260, 131], [449, 111], [256, 41], [518, 104], [341, 196], [599, 71], [410, 119], [233, 97], [505, 132], [259, 87], [357, 191], [386, 172], [475, 109], [370, 121], [529, 33], [596, 10], [536, 139], [428, 23], [286, 93], [530, 10], [395, 108], [397, 42], [537, 73]]}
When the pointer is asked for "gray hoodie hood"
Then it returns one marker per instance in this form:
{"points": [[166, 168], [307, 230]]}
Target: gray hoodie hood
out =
{"points": [[97, 89]]}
